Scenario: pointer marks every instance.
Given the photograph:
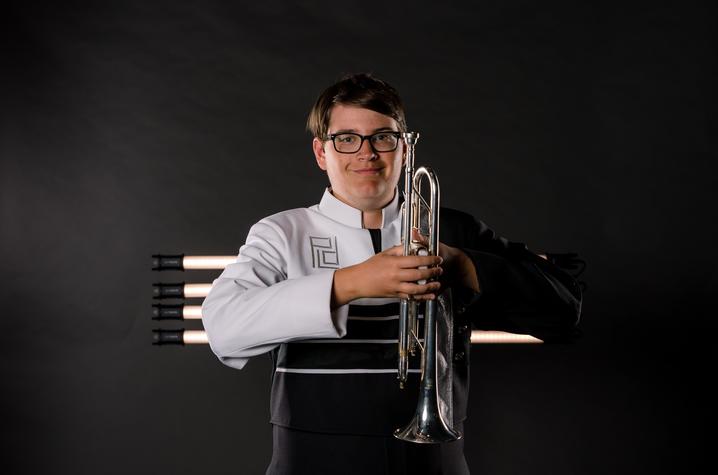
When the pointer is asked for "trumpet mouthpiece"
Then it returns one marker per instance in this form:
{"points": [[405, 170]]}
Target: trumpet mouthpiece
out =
{"points": [[410, 137]]}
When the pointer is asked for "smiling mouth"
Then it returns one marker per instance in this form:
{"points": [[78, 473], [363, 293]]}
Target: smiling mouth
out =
{"points": [[368, 171]]}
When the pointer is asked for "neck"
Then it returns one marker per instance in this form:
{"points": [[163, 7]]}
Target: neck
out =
{"points": [[371, 219]]}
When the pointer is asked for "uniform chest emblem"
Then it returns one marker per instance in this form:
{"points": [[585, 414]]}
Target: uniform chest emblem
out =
{"points": [[324, 252]]}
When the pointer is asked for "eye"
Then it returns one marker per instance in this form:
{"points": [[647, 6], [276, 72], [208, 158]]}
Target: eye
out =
{"points": [[346, 138], [384, 138]]}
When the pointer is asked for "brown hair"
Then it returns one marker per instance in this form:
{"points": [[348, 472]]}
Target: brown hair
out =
{"points": [[361, 90]]}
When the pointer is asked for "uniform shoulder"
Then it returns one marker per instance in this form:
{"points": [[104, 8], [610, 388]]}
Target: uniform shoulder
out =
{"points": [[455, 215], [287, 215], [287, 220]]}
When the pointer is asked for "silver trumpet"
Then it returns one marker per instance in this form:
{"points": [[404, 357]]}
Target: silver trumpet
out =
{"points": [[428, 426]]}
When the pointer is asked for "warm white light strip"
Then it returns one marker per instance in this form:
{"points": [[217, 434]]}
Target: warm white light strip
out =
{"points": [[477, 337], [195, 337], [220, 262], [192, 312], [484, 336], [207, 262], [196, 290]]}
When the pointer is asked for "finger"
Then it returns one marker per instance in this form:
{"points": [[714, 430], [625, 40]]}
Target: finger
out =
{"points": [[417, 289], [407, 262], [415, 275], [422, 297]]}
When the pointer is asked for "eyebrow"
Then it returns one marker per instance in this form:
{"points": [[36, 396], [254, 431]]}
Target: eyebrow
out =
{"points": [[354, 131]]}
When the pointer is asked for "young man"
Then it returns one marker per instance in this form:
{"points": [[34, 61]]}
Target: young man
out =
{"points": [[319, 287]]}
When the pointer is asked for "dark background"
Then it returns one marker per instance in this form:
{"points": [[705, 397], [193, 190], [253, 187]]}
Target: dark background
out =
{"points": [[151, 127]]}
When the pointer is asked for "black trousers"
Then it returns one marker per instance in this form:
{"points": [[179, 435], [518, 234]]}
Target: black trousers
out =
{"points": [[303, 453]]}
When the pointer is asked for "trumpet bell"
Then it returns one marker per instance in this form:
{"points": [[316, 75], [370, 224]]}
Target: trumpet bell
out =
{"points": [[427, 429]]}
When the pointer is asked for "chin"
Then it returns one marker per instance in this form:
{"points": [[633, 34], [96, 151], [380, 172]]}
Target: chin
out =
{"points": [[374, 200], [370, 193]]}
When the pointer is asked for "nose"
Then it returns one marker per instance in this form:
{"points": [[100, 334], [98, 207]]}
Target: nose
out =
{"points": [[366, 152]]}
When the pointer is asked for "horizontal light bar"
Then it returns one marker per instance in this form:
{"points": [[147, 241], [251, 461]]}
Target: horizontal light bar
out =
{"points": [[194, 312], [199, 337], [182, 262], [492, 336], [207, 262], [195, 337], [179, 290], [196, 290], [161, 311]]}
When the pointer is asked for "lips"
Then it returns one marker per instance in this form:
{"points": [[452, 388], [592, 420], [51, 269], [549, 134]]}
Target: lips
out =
{"points": [[368, 171]]}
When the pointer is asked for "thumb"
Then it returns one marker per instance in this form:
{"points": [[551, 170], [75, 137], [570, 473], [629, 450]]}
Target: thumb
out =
{"points": [[394, 251]]}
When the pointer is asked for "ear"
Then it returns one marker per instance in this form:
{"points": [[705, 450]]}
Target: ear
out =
{"points": [[319, 155]]}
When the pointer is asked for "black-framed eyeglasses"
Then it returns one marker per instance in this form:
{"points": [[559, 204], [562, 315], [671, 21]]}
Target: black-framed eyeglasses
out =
{"points": [[349, 142]]}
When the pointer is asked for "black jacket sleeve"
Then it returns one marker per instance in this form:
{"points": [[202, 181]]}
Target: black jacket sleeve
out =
{"points": [[520, 292]]}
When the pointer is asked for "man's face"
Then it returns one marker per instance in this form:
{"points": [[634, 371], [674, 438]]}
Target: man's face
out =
{"points": [[365, 179]]}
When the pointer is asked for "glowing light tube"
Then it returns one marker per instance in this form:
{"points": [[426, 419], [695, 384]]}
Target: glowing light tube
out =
{"points": [[489, 337], [182, 262], [199, 337], [207, 262], [194, 312], [164, 311], [179, 290], [196, 290]]}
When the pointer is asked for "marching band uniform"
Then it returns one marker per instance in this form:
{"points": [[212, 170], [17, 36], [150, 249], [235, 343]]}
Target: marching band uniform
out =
{"points": [[335, 370]]}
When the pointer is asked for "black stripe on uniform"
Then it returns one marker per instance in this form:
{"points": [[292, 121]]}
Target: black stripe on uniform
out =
{"points": [[386, 310], [342, 356]]}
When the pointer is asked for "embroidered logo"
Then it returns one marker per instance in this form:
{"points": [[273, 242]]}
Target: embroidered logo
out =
{"points": [[324, 252]]}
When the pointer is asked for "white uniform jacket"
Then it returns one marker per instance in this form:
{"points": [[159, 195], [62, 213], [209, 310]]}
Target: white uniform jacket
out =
{"points": [[279, 289], [335, 370]]}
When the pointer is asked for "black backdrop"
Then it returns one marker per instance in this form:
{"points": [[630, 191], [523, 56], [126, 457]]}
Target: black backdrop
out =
{"points": [[145, 127]]}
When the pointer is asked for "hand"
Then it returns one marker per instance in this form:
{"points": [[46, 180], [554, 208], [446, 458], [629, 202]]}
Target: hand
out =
{"points": [[458, 268], [388, 274]]}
